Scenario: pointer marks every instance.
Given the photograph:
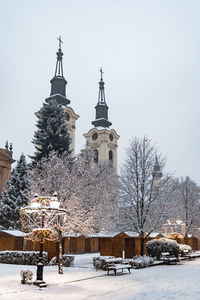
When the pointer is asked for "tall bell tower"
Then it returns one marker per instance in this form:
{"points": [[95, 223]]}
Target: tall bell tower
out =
{"points": [[102, 140], [58, 93]]}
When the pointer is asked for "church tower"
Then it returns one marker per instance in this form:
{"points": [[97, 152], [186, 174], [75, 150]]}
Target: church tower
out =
{"points": [[101, 139], [157, 174], [58, 93]]}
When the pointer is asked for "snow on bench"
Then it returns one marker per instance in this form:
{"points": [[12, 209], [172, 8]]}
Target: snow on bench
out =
{"points": [[167, 258], [116, 264], [189, 255]]}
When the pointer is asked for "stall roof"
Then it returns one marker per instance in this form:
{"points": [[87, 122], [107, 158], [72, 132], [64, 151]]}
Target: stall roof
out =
{"points": [[16, 233]]}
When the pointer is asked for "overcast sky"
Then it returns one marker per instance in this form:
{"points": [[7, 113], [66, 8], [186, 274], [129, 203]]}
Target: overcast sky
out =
{"points": [[149, 51]]}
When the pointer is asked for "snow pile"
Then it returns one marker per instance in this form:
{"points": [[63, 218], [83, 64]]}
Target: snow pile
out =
{"points": [[184, 247], [22, 257], [157, 246], [100, 262], [141, 261]]}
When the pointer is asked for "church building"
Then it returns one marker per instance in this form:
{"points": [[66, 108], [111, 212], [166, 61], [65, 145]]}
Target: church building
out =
{"points": [[100, 139], [6, 161], [58, 93]]}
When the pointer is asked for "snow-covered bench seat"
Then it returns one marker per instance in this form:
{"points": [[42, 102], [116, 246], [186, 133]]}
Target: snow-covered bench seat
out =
{"points": [[189, 255], [168, 259], [117, 264]]}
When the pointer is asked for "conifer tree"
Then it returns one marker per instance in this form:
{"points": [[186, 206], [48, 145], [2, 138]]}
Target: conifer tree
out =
{"points": [[15, 196], [52, 134]]}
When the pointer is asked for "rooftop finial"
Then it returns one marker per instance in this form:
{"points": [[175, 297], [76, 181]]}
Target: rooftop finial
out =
{"points": [[11, 147], [60, 41], [6, 145], [101, 71]]}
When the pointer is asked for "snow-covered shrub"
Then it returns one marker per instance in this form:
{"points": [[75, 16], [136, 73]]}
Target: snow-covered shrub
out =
{"points": [[141, 261], [68, 260], [100, 262], [157, 246], [53, 261], [26, 276], [22, 257], [184, 247]]}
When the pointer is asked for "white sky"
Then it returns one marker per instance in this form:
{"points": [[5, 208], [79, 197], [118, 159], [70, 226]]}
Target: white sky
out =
{"points": [[149, 51]]}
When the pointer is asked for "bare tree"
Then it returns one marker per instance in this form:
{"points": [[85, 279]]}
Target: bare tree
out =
{"points": [[186, 204], [142, 188], [88, 194]]}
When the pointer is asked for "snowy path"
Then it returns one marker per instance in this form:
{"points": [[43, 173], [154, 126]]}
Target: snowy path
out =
{"points": [[160, 282]]}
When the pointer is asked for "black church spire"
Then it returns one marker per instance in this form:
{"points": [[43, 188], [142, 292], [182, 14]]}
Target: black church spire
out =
{"points": [[101, 107], [58, 82], [157, 174]]}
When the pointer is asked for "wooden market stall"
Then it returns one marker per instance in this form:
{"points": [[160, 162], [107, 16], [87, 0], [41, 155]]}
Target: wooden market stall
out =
{"points": [[11, 240], [125, 243]]}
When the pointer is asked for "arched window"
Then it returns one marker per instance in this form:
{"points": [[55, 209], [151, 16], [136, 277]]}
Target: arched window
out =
{"points": [[110, 155], [96, 156]]}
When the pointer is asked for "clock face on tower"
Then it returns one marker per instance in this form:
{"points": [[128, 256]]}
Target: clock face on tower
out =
{"points": [[94, 136]]}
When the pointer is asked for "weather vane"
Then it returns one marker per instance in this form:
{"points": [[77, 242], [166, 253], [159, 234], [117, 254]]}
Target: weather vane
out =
{"points": [[60, 41], [101, 71]]}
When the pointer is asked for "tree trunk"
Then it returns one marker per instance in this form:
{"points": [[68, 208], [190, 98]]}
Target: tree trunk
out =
{"points": [[186, 239], [60, 260], [142, 246]]}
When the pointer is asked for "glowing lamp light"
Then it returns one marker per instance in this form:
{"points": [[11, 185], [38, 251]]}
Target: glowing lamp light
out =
{"points": [[55, 204], [35, 205], [178, 222]]}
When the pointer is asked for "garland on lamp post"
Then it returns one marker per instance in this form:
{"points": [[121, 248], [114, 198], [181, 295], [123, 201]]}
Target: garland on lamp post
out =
{"points": [[44, 220]]}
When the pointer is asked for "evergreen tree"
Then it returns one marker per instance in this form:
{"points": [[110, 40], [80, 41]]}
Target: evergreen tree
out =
{"points": [[52, 134], [15, 196]]}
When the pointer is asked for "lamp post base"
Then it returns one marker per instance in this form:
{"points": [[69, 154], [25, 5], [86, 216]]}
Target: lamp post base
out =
{"points": [[40, 283]]}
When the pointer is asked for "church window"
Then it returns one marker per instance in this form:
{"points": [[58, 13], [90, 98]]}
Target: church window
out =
{"points": [[67, 116], [94, 136], [110, 154], [96, 156], [111, 137]]}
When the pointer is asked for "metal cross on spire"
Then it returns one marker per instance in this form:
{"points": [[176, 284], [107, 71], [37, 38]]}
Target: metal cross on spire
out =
{"points": [[60, 41], [101, 71]]}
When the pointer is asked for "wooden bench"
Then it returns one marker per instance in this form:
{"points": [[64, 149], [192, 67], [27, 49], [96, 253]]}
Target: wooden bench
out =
{"points": [[188, 254], [117, 264], [168, 259]]}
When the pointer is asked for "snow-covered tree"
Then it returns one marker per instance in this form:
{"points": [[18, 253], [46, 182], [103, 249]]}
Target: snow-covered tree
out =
{"points": [[88, 194], [52, 133], [141, 193], [185, 204], [15, 197]]}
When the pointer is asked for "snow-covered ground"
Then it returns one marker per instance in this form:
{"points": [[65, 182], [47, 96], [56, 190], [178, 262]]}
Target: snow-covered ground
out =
{"points": [[83, 282]]}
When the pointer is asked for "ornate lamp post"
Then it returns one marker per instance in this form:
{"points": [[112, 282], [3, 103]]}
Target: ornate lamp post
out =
{"points": [[44, 220]]}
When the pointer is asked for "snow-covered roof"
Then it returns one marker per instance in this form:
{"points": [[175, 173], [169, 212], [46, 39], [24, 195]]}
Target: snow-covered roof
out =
{"points": [[67, 234], [14, 232], [131, 233], [154, 234]]}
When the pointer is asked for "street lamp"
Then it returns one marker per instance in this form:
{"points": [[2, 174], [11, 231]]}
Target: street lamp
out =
{"points": [[44, 220]]}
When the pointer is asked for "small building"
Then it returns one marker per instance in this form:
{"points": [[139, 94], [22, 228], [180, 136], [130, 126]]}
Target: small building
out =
{"points": [[11, 240], [74, 243]]}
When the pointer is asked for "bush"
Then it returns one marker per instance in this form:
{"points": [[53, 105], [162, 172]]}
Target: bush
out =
{"points": [[141, 261], [100, 262], [22, 257], [157, 246], [183, 247], [26, 276], [68, 260]]}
